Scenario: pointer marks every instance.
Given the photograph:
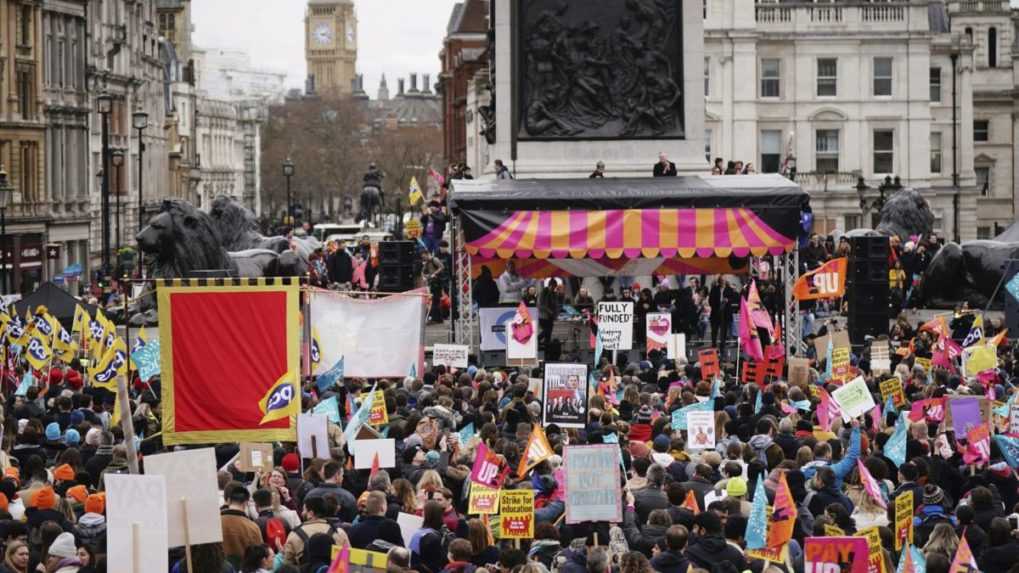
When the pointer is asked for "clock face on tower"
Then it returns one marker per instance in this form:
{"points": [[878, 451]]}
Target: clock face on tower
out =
{"points": [[322, 34], [350, 35]]}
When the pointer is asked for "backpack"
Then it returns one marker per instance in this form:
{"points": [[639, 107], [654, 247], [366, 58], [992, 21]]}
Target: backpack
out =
{"points": [[274, 530], [303, 535]]}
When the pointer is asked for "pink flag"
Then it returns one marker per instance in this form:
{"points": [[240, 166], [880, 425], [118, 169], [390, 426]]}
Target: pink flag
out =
{"points": [[522, 325], [748, 338], [341, 563], [875, 415], [827, 411], [439, 179], [978, 446], [758, 313], [487, 470], [917, 410], [963, 562], [870, 484]]}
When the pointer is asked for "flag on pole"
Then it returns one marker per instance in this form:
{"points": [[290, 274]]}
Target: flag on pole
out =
{"points": [[895, 448], [691, 502], [976, 332], [757, 525], [998, 339], [748, 337], [375, 467], [359, 417], [437, 177], [870, 484], [414, 194], [963, 562], [537, 451], [783, 517], [341, 563]]}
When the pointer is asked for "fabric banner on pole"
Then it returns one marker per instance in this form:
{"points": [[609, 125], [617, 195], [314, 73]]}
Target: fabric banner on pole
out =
{"points": [[229, 360], [375, 338]]}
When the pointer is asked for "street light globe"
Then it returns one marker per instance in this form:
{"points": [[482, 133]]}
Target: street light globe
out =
{"points": [[288, 167], [140, 119], [118, 157], [6, 191], [105, 102]]}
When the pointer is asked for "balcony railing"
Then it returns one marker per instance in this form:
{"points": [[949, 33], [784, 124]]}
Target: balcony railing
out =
{"points": [[978, 6], [827, 181], [845, 17]]}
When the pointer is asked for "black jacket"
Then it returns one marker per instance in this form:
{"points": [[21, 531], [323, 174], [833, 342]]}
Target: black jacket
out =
{"points": [[648, 499], [662, 171], [670, 562], [340, 267], [372, 527], [712, 550], [642, 539], [1000, 557]]}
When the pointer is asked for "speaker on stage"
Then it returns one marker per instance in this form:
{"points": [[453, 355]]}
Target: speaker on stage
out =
{"points": [[867, 290], [398, 266]]}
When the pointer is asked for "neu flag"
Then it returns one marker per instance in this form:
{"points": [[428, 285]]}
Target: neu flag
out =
{"points": [[870, 484], [895, 448], [826, 281], [328, 379]]}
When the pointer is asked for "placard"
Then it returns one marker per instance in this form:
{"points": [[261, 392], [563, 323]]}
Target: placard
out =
{"points": [[854, 398], [799, 371], [615, 325], [365, 450], [454, 355], [564, 395], [967, 410], [903, 519], [875, 551], [965, 414], [482, 500], [255, 457], [136, 505], [409, 524], [313, 426], [840, 363], [677, 347], [700, 430], [710, 366], [880, 357], [979, 358], [835, 554], [516, 514], [839, 338], [924, 363], [522, 337], [1013, 419], [190, 475], [659, 331], [495, 324], [378, 415], [592, 484], [893, 387]]}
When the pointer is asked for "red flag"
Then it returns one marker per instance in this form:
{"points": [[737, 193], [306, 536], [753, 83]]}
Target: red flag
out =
{"points": [[691, 503], [375, 466]]}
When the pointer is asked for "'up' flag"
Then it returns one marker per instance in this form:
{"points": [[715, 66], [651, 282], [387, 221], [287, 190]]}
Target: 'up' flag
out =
{"points": [[963, 562], [976, 332], [757, 525], [414, 194], [537, 451], [826, 281], [783, 517], [870, 484]]}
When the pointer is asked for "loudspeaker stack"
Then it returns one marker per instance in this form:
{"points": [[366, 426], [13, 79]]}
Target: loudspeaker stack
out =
{"points": [[867, 288], [399, 265]]}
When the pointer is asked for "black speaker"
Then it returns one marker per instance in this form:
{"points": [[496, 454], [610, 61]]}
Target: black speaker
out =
{"points": [[867, 289], [396, 278], [397, 253]]}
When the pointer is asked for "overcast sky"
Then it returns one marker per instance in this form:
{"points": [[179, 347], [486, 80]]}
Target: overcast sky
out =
{"points": [[396, 37]]}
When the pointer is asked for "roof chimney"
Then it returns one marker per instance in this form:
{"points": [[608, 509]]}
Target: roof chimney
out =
{"points": [[426, 85], [401, 84], [413, 84]]}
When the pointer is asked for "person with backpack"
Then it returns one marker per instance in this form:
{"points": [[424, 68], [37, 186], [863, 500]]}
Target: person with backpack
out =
{"points": [[315, 514], [318, 554], [239, 531], [274, 529], [374, 526], [428, 545]]}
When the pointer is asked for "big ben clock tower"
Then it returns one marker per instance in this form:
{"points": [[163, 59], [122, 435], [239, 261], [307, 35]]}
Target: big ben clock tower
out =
{"points": [[330, 45]]}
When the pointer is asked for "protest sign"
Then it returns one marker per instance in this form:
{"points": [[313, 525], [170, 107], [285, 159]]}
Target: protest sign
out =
{"points": [[378, 415], [313, 436], [615, 325], [659, 331], [409, 524], [710, 366], [489, 469], [495, 326], [700, 430], [979, 358], [365, 451], [1013, 418], [516, 514], [840, 363], [255, 457], [564, 395], [893, 387], [833, 530], [679, 421], [965, 413], [880, 356], [454, 355], [136, 523], [522, 337], [875, 553], [677, 347], [190, 479], [835, 554], [924, 363], [854, 398], [592, 484], [903, 519], [483, 500], [838, 338], [799, 371]]}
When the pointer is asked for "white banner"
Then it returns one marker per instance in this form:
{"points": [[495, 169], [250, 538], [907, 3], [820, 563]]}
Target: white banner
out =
{"points": [[455, 355], [382, 338], [495, 323]]}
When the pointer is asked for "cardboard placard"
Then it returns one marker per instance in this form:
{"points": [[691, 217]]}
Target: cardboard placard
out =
{"points": [[924, 363], [313, 436], [710, 366], [136, 506], [875, 551], [615, 325], [677, 347], [880, 356], [903, 519], [840, 363], [854, 398], [564, 395], [658, 332], [893, 387], [592, 484], [254, 457], [839, 338], [700, 428], [190, 475], [516, 513], [965, 412], [409, 524], [378, 415], [365, 450], [799, 371], [483, 500], [454, 355]]}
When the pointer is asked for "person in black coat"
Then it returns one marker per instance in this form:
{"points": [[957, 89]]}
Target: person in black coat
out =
{"points": [[486, 290], [671, 559], [664, 167], [708, 549], [1003, 552], [374, 524], [340, 266]]}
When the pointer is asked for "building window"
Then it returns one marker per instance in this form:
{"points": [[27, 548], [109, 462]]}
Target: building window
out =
{"points": [[936, 152], [992, 47], [882, 76], [770, 77], [25, 31], [707, 77], [826, 159], [983, 180], [707, 145], [827, 77], [981, 130], [26, 92], [984, 234], [771, 150], [854, 221], [168, 26], [884, 151], [28, 167], [935, 84]]}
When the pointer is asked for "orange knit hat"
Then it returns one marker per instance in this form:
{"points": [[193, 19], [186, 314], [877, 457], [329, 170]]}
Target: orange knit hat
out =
{"points": [[78, 493], [96, 503], [44, 498], [63, 473]]}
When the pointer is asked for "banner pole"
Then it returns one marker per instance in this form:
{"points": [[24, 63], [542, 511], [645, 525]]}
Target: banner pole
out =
{"points": [[187, 534], [127, 425], [136, 557]]}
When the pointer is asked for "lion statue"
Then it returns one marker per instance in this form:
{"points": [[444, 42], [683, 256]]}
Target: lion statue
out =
{"points": [[238, 228], [181, 240], [969, 272], [906, 214]]}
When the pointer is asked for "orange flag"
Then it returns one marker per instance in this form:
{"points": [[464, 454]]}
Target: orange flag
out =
{"points": [[375, 467], [783, 518], [341, 563], [537, 451], [691, 503], [826, 281], [963, 562], [998, 339]]}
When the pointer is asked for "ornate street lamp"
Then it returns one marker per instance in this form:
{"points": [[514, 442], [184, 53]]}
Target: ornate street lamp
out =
{"points": [[140, 121], [104, 105], [6, 194], [288, 172]]}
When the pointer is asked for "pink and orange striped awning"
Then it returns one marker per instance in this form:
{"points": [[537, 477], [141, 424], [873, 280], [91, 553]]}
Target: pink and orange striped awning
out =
{"points": [[649, 233]]}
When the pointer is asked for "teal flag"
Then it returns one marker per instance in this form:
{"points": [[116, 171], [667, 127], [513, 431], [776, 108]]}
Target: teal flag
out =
{"points": [[330, 407], [679, 416], [146, 359]]}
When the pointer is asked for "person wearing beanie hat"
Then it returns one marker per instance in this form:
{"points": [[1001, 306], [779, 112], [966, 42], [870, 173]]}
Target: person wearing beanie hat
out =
{"points": [[74, 380], [78, 493], [72, 438], [640, 430], [930, 514], [291, 463], [56, 376], [42, 507], [736, 488], [76, 418], [91, 527], [63, 472], [62, 556], [52, 431]]}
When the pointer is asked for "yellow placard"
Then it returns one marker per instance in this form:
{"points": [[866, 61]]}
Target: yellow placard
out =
{"points": [[877, 557], [924, 363], [833, 531], [378, 416], [893, 387], [903, 519], [516, 517], [981, 358], [840, 363], [483, 500]]}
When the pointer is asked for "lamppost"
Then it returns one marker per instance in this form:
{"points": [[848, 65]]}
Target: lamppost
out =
{"points": [[117, 156], [140, 121], [878, 203], [6, 192], [104, 102], [288, 172]]}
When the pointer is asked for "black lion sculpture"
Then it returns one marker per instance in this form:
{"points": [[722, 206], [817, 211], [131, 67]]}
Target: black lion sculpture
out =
{"points": [[182, 239], [970, 272], [906, 214], [238, 228]]}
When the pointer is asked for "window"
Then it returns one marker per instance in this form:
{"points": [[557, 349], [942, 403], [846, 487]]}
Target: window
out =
{"points": [[882, 76], [984, 234], [936, 152], [884, 151], [935, 84], [26, 92], [25, 31], [28, 166], [826, 159], [854, 221], [992, 47], [983, 180], [770, 77], [771, 150], [981, 130], [707, 145], [827, 77], [707, 77]]}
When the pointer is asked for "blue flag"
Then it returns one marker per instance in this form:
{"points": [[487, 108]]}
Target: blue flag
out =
{"points": [[413, 370], [716, 389], [919, 562], [800, 404], [895, 448], [27, 381], [758, 403], [757, 525], [890, 404], [827, 363], [330, 408], [466, 434], [679, 416], [359, 417], [1009, 447], [146, 359], [328, 379]]}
